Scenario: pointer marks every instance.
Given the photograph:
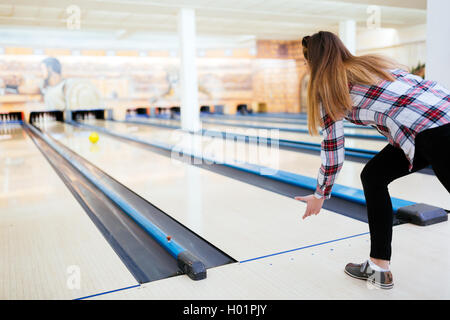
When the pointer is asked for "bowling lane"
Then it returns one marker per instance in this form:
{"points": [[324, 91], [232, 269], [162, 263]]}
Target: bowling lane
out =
{"points": [[272, 124], [227, 213], [292, 125], [46, 237], [373, 145], [317, 272], [427, 188]]}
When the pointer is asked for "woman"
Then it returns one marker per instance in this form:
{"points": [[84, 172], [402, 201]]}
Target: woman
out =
{"points": [[414, 114]]}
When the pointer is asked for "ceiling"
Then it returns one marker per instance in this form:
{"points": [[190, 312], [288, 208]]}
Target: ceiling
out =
{"points": [[242, 21]]}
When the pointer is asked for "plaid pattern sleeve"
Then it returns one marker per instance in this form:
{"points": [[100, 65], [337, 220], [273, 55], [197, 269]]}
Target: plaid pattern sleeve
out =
{"points": [[332, 155]]}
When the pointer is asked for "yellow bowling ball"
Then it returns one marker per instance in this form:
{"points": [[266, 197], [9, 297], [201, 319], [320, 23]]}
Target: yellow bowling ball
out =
{"points": [[93, 137]]}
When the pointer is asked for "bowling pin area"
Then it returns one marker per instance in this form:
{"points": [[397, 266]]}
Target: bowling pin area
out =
{"points": [[95, 207]]}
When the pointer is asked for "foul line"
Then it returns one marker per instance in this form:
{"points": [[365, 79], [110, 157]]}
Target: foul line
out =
{"points": [[106, 292], [296, 249]]}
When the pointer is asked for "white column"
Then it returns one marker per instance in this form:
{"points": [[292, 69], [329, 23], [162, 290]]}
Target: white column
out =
{"points": [[190, 109], [437, 66], [347, 33]]}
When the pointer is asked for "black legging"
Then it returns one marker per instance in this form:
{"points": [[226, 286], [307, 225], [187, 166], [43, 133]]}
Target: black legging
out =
{"points": [[432, 148]]}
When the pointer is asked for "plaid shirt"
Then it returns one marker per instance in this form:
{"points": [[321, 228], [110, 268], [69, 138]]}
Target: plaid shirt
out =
{"points": [[399, 110]]}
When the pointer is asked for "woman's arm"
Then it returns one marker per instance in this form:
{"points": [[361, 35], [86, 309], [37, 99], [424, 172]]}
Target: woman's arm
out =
{"points": [[332, 155]]}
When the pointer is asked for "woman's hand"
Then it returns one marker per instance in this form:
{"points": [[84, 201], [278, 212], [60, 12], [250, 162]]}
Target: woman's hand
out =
{"points": [[313, 205]]}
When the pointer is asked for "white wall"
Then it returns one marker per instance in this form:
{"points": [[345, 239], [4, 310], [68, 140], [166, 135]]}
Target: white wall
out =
{"points": [[347, 33], [406, 45], [438, 46]]}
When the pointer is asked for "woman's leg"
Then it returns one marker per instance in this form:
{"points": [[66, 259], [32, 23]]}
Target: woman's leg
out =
{"points": [[434, 145], [388, 165]]}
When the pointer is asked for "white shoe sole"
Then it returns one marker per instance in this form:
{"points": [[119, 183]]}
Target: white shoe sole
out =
{"points": [[376, 284]]}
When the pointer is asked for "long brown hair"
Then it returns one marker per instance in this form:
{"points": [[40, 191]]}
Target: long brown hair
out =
{"points": [[332, 68]]}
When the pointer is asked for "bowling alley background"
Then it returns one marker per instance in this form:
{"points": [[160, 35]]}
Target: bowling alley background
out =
{"points": [[268, 76]]}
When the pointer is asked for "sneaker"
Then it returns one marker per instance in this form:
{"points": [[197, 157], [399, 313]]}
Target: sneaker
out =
{"points": [[363, 271]]}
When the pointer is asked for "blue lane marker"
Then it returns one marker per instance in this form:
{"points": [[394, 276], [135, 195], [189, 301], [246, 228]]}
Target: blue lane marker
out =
{"points": [[11, 122], [305, 247], [149, 123], [299, 121], [340, 191], [282, 115], [106, 292]]}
